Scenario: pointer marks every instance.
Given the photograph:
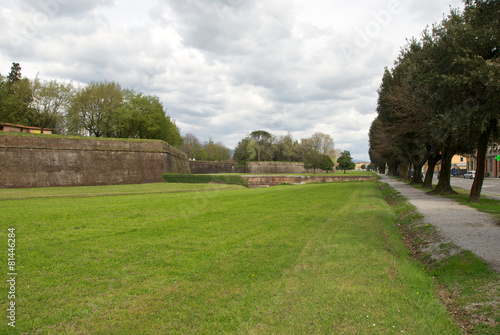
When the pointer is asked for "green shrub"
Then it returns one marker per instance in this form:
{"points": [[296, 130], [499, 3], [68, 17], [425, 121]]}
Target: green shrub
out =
{"points": [[204, 179]]}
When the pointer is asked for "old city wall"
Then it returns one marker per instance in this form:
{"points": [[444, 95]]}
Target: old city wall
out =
{"points": [[202, 167], [44, 161], [273, 180], [278, 167]]}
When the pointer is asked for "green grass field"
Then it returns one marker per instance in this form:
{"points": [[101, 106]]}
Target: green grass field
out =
{"points": [[308, 259]]}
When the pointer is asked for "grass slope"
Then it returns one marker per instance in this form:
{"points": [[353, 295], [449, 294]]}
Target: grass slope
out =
{"points": [[106, 190], [468, 287], [316, 258]]}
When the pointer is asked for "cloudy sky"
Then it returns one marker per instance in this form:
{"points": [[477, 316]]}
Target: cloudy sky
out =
{"points": [[224, 68]]}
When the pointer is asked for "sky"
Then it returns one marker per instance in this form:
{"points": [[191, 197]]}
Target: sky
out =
{"points": [[224, 68]]}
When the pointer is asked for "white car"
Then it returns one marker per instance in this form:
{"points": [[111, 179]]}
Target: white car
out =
{"points": [[470, 175]]}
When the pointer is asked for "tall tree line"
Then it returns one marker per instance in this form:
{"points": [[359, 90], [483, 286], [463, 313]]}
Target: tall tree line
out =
{"points": [[263, 146], [207, 151], [442, 98], [100, 109]]}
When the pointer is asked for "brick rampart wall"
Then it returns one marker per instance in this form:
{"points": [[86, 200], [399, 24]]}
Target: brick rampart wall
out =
{"points": [[39, 161], [272, 180], [202, 167], [278, 167]]}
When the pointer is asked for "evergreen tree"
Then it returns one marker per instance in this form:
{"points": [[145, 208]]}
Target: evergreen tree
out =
{"points": [[345, 161]]}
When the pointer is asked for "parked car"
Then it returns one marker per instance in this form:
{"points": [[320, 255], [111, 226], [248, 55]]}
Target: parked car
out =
{"points": [[470, 175]]}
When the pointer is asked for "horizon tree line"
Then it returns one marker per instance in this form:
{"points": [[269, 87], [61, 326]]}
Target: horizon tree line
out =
{"points": [[99, 109], [104, 109]]}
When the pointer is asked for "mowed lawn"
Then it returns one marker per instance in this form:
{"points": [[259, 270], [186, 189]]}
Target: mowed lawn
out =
{"points": [[308, 259]]}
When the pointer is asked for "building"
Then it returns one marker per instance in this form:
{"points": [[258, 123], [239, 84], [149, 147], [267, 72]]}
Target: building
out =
{"points": [[360, 164], [458, 166], [492, 166], [15, 128]]}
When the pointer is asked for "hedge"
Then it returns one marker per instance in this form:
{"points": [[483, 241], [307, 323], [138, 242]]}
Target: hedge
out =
{"points": [[204, 179]]}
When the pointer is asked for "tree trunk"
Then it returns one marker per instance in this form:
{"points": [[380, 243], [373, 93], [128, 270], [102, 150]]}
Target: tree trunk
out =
{"points": [[381, 169], [444, 186], [417, 173], [403, 170], [393, 169], [429, 175], [482, 148], [417, 162]]}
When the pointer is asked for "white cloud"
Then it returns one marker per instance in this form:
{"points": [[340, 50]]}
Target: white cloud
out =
{"points": [[224, 68]]}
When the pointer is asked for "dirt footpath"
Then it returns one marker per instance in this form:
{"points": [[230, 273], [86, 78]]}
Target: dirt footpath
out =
{"points": [[462, 225]]}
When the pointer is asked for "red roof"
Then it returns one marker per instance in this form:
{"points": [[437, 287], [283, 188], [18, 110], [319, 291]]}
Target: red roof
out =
{"points": [[20, 126]]}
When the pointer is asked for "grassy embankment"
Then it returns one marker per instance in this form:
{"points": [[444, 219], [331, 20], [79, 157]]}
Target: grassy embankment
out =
{"points": [[467, 286], [317, 258], [75, 137]]}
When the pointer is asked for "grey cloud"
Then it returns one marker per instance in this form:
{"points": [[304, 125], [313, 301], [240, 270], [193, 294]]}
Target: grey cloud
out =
{"points": [[224, 68], [421, 10], [230, 27], [57, 8]]}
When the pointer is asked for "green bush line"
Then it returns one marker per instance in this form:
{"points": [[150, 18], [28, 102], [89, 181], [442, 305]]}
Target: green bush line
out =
{"points": [[204, 179]]}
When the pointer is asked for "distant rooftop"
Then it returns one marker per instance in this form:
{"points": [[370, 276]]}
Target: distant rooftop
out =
{"points": [[16, 128]]}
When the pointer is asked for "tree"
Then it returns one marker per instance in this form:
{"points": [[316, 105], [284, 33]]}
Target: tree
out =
{"points": [[450, 81], [170, 132], [50, 100], [401, 129], [216, 151], [15, 73], [322, 143], [4, 92], [326, 163], [209, 151], [378, 145], [345, 161], [192, 147], [302, 149], [482, 57], [261, 137], [16, 96], [313, 160], [283, 148], [142, 116], [245, 151], [93, 106], [466, 85]]}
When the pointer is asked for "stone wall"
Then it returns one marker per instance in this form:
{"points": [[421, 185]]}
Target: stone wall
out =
{"points": [[202, 167], [267, 181], [44, 161], [278, 167]]}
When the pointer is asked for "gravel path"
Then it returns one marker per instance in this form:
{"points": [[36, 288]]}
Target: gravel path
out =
{"points": [[462, 225]]}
